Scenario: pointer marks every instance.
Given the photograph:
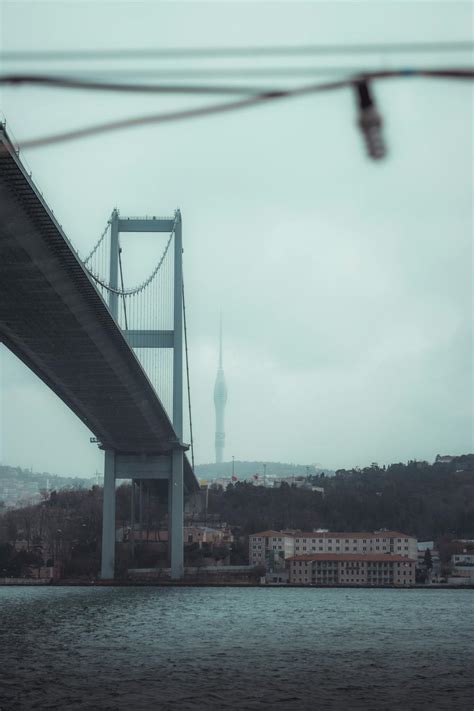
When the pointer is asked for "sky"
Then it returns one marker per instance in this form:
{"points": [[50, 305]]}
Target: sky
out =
{"points": [[345, 284]]}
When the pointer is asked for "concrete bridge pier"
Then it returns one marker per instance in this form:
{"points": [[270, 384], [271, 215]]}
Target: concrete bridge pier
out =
{"points": [[140, 467], [176, 514], [108, 517]]}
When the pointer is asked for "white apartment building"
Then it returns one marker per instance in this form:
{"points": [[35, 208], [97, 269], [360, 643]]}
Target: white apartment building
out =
{"points": [[285, 544], [263, 545]]}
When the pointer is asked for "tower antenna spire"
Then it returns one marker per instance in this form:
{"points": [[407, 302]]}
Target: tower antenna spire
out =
{"points": [[220, 340]]}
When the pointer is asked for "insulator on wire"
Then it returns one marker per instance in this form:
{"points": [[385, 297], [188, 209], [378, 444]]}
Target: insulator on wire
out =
{"points": [[370, 121]]}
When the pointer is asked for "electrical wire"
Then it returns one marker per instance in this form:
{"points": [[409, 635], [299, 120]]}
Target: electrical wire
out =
{"points": [[64, 82], [178, 53], [248, 102], [83, 83], [215, 73]]}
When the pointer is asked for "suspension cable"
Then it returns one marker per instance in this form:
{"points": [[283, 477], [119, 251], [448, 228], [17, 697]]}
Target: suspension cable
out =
{"points": [[97, 245], [187, 377], [140, 287], [123, 290]]}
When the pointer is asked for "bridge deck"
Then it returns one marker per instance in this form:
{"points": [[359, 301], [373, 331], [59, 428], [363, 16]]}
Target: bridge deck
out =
{"points": [[53, 318]]}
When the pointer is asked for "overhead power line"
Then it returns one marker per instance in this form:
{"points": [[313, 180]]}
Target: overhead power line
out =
{"points": [[63, 82], [224, 52], [191, 73], [247, 102]]}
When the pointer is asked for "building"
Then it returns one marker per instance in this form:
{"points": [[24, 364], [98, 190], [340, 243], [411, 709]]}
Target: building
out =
{"points": [[422, 547], [463, 559], [220, 399], [284, 544], [444, 459], [429, 575], [221, 536], [462, 572], [351, 569], [205, 534]]}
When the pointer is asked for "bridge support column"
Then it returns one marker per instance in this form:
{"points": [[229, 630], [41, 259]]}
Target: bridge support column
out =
{"points": [[140, 510], [132, 520], [108, 518], [176, 515]]}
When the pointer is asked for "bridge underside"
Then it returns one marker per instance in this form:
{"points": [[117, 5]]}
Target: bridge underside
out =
{"points": [[53, 318]]}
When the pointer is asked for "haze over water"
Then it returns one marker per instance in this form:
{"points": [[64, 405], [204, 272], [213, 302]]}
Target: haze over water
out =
{"points": [[209, 648]]}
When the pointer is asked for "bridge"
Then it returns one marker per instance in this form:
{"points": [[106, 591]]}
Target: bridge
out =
{"points": [[72, 328]]}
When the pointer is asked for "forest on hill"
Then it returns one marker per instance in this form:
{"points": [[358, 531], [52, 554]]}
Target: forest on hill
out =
{"points": [[425, 500]]}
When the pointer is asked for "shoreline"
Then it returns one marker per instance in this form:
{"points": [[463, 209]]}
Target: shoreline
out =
{"points": [[203, 584]]}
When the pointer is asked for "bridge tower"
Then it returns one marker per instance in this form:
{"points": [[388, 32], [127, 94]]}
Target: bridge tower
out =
{"points": [[138, 466]]}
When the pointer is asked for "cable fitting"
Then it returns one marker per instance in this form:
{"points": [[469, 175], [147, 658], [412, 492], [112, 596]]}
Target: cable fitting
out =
{"points": [[370, 122]]}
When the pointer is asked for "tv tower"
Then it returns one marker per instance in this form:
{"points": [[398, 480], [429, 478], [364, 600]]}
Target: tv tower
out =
{"points": [[220, 399]]}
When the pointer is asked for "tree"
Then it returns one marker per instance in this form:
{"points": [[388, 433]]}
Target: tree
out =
{"points": [[428, 559]]}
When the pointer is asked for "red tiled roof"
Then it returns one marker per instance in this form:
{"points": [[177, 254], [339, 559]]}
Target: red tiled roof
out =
{"points": [[351, 534], [369, 557], [267, 534]]}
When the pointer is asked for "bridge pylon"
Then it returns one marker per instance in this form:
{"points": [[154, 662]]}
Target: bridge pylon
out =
{"points": [[141, 466]]}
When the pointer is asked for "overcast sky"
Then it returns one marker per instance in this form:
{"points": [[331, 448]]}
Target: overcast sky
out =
{"points": [[345, 285]]}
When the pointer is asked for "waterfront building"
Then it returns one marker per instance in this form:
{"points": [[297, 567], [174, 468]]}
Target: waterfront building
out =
{"points": [[432, 574], [351, 569], [466, 559], [284, 544], [462, 572], [213, 536], [206, 534]]}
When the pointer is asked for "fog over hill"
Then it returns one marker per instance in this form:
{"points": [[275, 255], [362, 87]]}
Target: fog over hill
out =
{"points": [[245, 470], [21, 487]]}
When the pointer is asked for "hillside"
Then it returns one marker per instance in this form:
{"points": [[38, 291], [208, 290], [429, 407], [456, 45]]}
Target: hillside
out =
{"points": [[20, 487], [245, 470], [426, 500]]}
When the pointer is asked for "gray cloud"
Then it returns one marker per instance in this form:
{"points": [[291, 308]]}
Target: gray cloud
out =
{"points": [[346, 286]]}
